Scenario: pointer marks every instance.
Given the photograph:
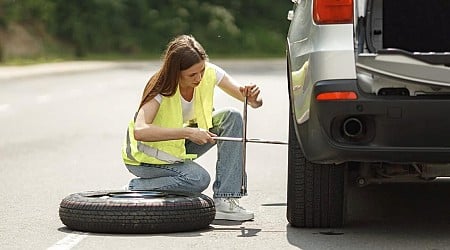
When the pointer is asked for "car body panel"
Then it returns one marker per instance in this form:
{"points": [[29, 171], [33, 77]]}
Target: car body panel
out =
{"points": [[327, 58], [310, 45]]}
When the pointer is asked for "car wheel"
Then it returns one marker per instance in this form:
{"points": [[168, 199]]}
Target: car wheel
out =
{"points": [[136, 211], [315, 194]]}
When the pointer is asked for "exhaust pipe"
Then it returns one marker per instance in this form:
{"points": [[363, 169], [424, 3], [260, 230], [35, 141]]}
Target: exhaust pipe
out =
{"points": [[353, 127]]}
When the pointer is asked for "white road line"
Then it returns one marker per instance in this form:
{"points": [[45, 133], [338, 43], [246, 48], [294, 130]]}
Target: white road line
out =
{"points": [[69, 241]]}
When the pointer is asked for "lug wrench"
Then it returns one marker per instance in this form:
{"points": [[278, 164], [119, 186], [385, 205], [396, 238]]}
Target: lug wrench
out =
{"points": [[244, 147], [224, 138], [244, 141]]}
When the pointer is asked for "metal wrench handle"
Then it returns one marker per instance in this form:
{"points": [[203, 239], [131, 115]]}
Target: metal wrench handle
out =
{"points": [[252, 140], [244, 147]]}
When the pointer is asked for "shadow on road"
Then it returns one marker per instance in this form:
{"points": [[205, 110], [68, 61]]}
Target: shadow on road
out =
{"points": [[390, 216], [216, 226]]}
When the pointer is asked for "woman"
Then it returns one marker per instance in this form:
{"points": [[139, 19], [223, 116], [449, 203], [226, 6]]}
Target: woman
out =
{"points": [[176, 123]]}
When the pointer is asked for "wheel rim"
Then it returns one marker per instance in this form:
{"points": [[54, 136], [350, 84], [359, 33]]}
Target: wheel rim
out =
{"points": [[135, 194]]}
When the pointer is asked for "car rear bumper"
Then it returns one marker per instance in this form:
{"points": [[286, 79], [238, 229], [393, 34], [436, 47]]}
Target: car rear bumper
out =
{"points": [[376, 128]]}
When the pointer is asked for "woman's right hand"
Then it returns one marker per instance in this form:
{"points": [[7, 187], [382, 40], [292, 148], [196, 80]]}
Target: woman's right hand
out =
{"points": [[200, 136]]}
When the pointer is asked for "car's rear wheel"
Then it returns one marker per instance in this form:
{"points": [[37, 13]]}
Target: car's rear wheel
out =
{"points": [[316, 192]]}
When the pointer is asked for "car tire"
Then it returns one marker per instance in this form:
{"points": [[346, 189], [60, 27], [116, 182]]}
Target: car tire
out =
{"points": [[316, 192], [136, 211]]}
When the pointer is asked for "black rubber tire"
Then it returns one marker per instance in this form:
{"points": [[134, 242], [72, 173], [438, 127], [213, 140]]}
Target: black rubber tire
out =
{"points": [[136, 211], [316, 192]]}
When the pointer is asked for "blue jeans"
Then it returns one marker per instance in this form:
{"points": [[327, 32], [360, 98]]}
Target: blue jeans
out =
{"points": [[189, 175]]}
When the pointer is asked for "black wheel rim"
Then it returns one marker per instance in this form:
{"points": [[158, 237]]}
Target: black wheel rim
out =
{"points": [[148, 194]]}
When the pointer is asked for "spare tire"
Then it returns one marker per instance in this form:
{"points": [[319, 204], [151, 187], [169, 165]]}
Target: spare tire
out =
{"points": [[136, 211]]}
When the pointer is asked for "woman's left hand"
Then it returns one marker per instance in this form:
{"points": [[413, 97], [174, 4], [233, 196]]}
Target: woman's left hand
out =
{"points": [[252, 92]]}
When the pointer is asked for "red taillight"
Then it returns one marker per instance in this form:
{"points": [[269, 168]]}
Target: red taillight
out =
{"points": [[333, 11], [336, 96]]}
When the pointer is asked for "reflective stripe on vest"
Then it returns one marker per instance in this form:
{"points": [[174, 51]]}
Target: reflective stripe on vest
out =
{"points": [[153, 152], [158, 154], [128, 147]]}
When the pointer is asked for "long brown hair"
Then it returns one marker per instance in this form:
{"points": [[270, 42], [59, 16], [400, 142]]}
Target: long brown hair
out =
{"points": [[181, 53]]}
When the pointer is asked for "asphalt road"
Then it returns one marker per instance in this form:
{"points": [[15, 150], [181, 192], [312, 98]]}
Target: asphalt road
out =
{"points": [[61, 132]]}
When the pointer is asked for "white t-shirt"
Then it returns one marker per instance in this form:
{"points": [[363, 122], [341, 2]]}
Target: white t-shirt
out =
{"points": [[188, 107]]}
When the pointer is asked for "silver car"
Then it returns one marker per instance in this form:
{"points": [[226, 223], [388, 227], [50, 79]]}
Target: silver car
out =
{"points": [[369, 89]]}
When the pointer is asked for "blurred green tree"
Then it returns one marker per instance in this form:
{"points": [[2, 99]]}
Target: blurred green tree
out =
{"points": [[145, 26]]}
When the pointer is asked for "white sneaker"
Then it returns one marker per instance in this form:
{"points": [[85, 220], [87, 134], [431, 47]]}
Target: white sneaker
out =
{"points": [[229, 209]]}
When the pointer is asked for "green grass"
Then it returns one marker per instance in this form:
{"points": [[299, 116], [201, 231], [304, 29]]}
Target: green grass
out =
{"points": [[124, 57], [33, 60], [256, 47]]}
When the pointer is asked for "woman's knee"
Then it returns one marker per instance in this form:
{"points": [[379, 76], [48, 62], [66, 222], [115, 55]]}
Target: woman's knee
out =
{"points": [[199, 179], [233, 115], [231, 123], [227, 118]]}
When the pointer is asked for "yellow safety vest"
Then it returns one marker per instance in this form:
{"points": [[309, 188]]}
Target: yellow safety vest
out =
{"points": [[170, 115]]}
